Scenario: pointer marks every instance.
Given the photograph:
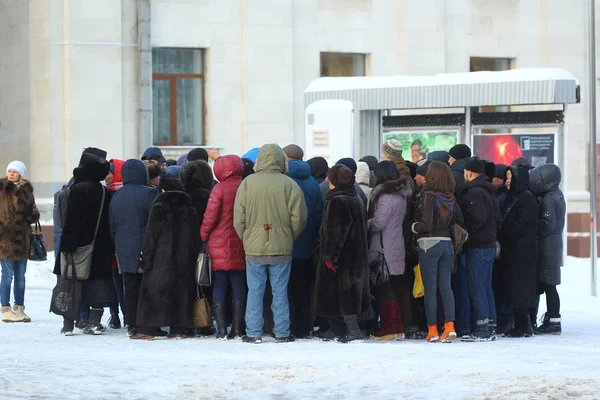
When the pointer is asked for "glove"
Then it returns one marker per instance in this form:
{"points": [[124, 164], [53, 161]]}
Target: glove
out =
{"points": [[330, 265]]}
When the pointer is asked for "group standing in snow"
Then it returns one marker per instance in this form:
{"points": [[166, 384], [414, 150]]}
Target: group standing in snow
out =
{"points": [[451, 246]]}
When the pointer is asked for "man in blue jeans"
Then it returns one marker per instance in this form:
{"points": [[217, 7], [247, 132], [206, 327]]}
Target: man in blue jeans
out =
{"points": [[270, 214], [482, 220]]}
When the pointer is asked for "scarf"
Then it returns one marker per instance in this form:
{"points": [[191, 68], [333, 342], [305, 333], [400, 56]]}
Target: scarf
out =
{"points": [[444, 203]]}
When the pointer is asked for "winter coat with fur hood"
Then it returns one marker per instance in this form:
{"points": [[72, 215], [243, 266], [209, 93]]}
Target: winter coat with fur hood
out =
{"points": [[17, 212], [198, 180], [544, 183], [224, 245], [343, 236], [387, 211], [169, 255]]}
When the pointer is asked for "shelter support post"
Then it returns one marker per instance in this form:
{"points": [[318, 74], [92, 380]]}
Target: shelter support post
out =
{"points": [[592, 126]]}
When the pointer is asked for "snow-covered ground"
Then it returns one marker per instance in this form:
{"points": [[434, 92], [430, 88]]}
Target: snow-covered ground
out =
{"points": [[37, 362]]}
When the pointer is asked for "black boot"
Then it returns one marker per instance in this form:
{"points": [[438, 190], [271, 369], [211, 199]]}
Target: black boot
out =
{"points": [[352, 331], [220, 310], [114, 321], [336, 330], [238, 323], [94, 327], [67, 329], [550, 326], [523, 327]]}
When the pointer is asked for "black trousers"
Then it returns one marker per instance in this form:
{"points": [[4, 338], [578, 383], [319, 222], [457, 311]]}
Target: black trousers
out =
{"points": [[300, 297], [131, 285], [552, 300]]}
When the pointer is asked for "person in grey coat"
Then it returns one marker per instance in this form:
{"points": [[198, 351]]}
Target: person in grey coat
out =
{"points": [[128, 217], [544, 183], [387, 209]]}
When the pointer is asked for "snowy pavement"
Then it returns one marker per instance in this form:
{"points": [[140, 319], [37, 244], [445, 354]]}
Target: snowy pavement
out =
{"points": [[38, 363]]}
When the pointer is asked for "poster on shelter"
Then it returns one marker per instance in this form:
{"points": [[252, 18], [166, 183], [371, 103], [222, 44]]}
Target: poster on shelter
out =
{"points": [[419, 144], [504, 149]]}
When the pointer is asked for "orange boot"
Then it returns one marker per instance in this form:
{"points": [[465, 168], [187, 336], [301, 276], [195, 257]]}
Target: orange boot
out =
{"points": [[433, 335], [449, 333]]}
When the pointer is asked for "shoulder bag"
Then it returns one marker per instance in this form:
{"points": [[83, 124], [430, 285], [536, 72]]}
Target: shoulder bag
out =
{"points": [[379, 272], [203, 268], [37, 248], [81, 259], [202, 314]]}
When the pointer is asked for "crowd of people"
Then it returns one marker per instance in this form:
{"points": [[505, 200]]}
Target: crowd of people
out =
{"points": [[301, 249]]}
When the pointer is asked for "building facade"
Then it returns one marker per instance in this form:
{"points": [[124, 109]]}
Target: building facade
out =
{"points": [[231, 73]]}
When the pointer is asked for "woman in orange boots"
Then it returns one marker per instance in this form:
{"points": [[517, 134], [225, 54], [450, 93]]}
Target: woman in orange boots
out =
{"points": [[436, 256]]}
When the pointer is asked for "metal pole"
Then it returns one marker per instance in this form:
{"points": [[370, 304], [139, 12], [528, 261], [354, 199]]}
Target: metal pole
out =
{"points": [[145, 75], [592, 124]]}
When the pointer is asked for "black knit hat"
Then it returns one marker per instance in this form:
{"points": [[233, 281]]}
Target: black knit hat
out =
{"points": [[422, 169], [348, 163], [460, 151], [438, 155], [500, 171], [371, 161], [197, 154], [475, 165]]}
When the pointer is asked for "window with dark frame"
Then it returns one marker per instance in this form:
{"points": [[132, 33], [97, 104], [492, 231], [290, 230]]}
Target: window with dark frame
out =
{"points": [[343, 64], [177, 97]]}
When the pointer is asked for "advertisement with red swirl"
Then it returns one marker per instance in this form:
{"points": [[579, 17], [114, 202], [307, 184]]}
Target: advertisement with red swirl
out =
{"points": [[503, 148]]}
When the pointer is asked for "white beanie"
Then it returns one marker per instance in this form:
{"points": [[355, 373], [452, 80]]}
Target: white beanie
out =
{"points": [[17, 166]]}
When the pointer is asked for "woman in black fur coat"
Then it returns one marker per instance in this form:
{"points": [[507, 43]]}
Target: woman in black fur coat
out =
{"points": [[342, 287], [197, 178], [169, 256]]}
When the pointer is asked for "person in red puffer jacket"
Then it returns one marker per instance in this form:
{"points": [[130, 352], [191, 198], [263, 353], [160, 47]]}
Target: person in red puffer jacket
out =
{"points": [[114, 182], [225, 247]]}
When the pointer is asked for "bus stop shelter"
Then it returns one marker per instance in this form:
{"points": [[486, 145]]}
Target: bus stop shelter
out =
{"points": [[473, 106]]}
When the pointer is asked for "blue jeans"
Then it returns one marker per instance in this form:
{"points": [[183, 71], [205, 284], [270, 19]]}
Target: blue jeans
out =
{"points": [[436, 271], [279, 276], [461, 296], [480, 264], [17, 269], [221, 281]]}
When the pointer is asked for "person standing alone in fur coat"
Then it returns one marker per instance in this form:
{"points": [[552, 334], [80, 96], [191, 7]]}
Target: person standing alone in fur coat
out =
{"points": [[17, 212]]}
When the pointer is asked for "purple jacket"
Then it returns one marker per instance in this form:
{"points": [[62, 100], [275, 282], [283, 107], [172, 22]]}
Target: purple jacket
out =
{"points": [[387, 210]]}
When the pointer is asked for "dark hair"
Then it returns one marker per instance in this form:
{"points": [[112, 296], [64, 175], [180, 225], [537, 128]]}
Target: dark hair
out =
{"points": [[154, 170], [341, 177], [386, 171], [248, 167], [440, 179], [417, 141], [171, 162]]}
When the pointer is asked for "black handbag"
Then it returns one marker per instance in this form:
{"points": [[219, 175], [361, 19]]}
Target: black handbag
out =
{"points": [[66, 298], [204, 268], [37, 248], [379, 273]]}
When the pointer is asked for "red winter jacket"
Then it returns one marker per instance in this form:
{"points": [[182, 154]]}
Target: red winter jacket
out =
{"points": [[224, 245]]}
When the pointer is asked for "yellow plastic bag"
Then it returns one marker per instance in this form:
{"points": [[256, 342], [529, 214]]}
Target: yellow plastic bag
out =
{"points": [[418, 288]]}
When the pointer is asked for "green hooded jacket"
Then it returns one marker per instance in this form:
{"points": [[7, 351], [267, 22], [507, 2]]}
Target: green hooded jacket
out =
{"points": [[270, 212]]}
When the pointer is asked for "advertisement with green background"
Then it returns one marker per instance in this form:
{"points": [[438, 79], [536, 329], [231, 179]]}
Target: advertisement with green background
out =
{"points": [[431, 141]]}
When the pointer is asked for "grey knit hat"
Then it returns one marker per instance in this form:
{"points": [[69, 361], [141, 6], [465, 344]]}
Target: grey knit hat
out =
{"points": [[392, 148]]}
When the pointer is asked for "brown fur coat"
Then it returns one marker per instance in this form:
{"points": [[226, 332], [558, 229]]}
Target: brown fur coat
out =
{"points": [[17, 212]]}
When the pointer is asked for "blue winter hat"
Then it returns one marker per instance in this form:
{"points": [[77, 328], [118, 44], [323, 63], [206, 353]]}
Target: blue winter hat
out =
{"points": [[252, 154], [172, 172]]}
